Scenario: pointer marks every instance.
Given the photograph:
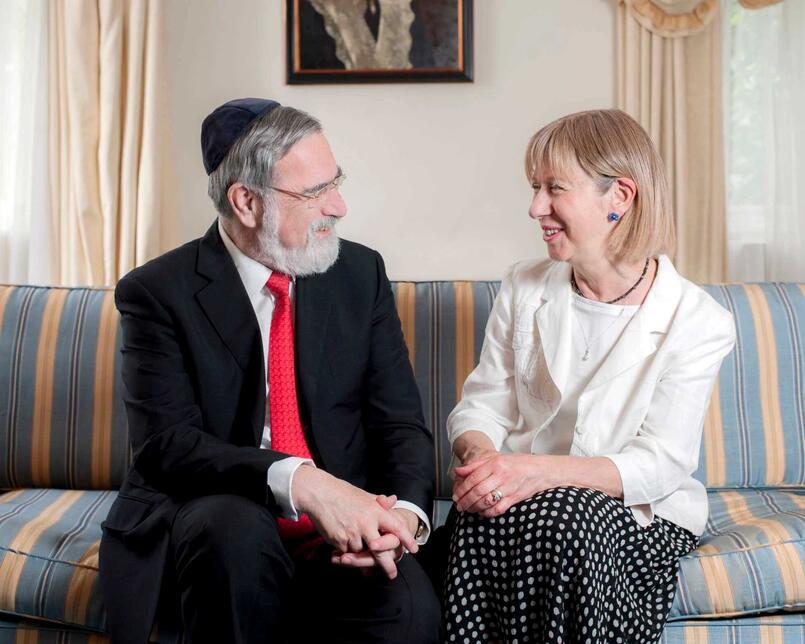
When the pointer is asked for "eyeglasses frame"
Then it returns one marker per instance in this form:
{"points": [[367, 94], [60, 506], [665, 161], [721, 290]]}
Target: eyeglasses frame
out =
{"points": [[312, 197]]}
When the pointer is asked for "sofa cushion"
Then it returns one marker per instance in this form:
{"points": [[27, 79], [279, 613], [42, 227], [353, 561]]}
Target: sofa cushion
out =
{"points": [[49, 554], [751, 558], [443, 324], [777, 629], [754, 434], [14, 631], [62, 419]]}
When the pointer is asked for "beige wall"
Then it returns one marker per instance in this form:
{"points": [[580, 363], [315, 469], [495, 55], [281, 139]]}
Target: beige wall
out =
{"points": [[435, 170]]}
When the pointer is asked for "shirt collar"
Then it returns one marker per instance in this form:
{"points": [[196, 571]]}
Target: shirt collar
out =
{"points": [[253, 274]]}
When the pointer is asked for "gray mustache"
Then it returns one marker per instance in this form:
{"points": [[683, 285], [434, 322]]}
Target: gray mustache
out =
{"points": [[324, 223]]}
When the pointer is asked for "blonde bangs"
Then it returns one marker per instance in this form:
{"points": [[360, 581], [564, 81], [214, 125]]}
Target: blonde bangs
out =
{"points": [[608, 144], [550, 150]]}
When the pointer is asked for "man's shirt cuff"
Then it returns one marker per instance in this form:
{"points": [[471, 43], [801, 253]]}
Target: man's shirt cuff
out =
{"points": [[407, 505], [280, 478]]}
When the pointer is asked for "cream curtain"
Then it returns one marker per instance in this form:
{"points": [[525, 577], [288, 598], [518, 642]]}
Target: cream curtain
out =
{"points": [[109, 147], [669, 80]]}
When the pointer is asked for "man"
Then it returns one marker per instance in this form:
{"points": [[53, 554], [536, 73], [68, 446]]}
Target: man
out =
{"points": [[282, 467]]}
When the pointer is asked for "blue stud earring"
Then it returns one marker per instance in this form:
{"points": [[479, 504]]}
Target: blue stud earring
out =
{"points": [[613, 216]]}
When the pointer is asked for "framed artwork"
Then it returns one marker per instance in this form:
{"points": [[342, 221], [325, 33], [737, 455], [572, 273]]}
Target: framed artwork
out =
{"points": [[378, 41]]}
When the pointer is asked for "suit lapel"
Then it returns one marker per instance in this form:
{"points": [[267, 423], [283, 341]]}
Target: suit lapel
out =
{"points": [[313, 303], [224, 300], [225, 303]]}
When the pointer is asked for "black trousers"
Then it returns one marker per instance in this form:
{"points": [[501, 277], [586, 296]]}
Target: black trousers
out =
{"points": [[235, 582]]}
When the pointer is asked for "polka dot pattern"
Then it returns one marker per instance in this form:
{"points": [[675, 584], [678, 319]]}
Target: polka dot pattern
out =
{"points": [[567, 565]]}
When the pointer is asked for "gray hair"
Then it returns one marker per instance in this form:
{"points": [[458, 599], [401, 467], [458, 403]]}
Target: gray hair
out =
{"points": [[252, 158]]}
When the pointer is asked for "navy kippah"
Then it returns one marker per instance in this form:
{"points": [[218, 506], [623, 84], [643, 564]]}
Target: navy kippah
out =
{"points": [[226, 123]]}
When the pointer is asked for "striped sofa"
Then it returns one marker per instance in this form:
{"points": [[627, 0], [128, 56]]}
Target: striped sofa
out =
{"points": [[64, 450]]}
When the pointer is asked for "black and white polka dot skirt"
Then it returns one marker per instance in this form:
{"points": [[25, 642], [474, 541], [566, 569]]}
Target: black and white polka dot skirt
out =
{"points": [[567, 565]]}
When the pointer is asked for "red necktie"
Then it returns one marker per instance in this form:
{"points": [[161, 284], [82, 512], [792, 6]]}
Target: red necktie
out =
{"points": [[286, 428]]}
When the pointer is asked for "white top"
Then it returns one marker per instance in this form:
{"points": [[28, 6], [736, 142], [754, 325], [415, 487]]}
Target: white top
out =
{"points": [[597, 327], [254, 276], [643, 407]]}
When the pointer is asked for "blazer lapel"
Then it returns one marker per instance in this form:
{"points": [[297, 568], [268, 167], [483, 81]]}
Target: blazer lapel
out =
{"points": [[553, 321], [635, 344], [641, 336]]}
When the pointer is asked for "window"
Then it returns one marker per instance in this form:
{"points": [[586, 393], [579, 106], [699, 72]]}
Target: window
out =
{"points": [[24, 190], [765, 140]]}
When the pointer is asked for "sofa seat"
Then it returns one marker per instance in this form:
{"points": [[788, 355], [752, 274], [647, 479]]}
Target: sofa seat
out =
{"points": [[63, 426], [49, 555], [779, 629], [29, 631], [750, 559]]}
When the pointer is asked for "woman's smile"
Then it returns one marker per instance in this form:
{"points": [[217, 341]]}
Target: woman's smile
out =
{"points": [[551, 233]]}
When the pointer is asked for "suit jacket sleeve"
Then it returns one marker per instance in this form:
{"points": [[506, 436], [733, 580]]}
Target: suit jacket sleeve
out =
{"points": [[402, 460], [172, 451]]}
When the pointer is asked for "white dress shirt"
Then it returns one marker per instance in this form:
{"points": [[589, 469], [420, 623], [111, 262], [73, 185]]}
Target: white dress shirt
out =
{"points": [[254, 276], [643, 408]]}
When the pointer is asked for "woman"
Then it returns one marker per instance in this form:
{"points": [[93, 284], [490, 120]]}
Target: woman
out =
{"points": [[579, 430]]}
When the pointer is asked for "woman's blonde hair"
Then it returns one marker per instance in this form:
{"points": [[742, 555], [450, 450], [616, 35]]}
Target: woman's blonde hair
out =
{"points": [[608, 144]]}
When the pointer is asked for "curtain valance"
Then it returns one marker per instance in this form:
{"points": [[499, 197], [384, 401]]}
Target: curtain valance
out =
{"points": [[679, 18]]}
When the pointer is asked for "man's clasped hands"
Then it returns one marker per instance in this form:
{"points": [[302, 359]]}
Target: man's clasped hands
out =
{"points": [[365, 530]]}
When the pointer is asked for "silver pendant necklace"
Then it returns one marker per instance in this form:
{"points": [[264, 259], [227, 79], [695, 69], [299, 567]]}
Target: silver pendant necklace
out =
{"points": [[578, 292], [587, 344]]}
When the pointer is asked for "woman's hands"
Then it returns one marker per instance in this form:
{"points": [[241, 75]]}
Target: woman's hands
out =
{"points": [[515, 476], [484, 470], [520, 476]]}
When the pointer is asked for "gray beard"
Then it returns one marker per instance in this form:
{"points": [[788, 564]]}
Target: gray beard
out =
{"points": [[316, 256]]}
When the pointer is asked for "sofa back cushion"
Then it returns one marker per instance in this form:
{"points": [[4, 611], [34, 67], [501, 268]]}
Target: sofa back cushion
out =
{"points": [[443, 324], [62, 421], [754, 433]]}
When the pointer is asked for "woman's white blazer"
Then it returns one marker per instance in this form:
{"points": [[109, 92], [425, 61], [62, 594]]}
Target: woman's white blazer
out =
{"points": [[644, 408]]}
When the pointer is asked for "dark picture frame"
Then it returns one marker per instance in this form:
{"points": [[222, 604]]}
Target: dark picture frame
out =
{"points": [[422, 41]]}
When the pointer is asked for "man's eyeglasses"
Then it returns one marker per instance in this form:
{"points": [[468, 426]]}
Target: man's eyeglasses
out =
{"points": [[312, 197]]}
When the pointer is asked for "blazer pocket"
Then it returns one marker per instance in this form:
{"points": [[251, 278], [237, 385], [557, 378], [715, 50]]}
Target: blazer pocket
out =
{"points": [[523, 347], [527, 361]]}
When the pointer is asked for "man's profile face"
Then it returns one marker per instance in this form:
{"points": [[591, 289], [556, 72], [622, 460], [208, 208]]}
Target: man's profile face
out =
{"points": [[308, 166]]}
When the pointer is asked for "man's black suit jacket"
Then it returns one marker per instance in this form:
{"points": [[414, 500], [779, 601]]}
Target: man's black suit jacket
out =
{"points": [[194, 381]]}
